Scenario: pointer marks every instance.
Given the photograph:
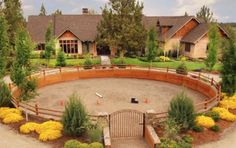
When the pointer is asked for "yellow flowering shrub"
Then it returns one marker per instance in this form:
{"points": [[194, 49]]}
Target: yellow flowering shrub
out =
{"points": [[205, 121], [53, 125], [164, 59], [29, 127], [224, 114], [5, 111], [228, 102], [49, 130], [50, 134], [12, 118]]}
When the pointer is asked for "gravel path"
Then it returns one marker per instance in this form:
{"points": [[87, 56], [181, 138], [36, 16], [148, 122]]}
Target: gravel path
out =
{"points": [[11, 139]]}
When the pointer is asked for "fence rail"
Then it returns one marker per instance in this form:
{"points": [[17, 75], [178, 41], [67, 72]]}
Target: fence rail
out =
{"points": [[197, 81]]}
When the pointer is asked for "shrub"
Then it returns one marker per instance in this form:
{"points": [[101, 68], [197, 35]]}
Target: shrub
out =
{"points": [[61, 60], [205, 121], [88, 62], [229, 103], [72, 144], [12, 118], [197, 128], [4, 111], [224, 114], [164, 59], [5, 95], [83, 145], [182, 111], [75, 117], [29, 127], [182, 69], [50, 134], [188, 139], [214, 115], [95, 135], [215, 128], [96, 145], [52, 125]]}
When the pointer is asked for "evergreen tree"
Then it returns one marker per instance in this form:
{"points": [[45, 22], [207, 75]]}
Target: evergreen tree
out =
{"points": [[61, 60], [205, 14], [228, 73], [42, 11], [121, 26], [21, 68], [13, 14], [4, 44], [57, 12], [50, 44], [152, 45], [213, 46]]}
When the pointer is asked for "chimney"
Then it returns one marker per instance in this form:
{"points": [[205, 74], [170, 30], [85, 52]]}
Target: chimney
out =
{"points": [[85, 11]]}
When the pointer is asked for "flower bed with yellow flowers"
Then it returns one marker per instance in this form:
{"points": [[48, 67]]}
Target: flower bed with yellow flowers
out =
{"points": [[228, 102], [10, 115], [224, 114], [49, 130], [205, 121]]}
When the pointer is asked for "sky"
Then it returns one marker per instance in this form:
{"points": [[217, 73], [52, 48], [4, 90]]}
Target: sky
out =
{"points": [[224, 10]]}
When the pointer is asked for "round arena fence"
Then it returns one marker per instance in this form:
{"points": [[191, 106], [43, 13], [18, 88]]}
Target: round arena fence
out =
{"points": [[193, 80]]}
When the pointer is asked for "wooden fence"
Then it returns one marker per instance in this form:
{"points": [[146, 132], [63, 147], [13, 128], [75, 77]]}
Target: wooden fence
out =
{"points": [[196, 81]]}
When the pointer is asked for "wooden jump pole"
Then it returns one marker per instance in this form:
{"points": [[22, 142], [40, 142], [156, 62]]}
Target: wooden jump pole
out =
{"points": [[36, 109]]}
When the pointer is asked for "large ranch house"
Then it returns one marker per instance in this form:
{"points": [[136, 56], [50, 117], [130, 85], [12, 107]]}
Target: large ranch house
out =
{"points": [[76, 34]]}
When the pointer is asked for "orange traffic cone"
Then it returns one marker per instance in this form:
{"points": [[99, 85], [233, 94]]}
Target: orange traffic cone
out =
{"points": [[146, 101], [98, 102]]}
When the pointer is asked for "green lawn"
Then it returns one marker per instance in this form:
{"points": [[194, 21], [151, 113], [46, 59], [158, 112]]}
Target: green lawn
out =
{"points": [[130, 61], [173, 64]]}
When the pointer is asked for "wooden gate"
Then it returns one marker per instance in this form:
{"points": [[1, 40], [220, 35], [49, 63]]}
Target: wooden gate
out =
{"points": [[127, 123]]}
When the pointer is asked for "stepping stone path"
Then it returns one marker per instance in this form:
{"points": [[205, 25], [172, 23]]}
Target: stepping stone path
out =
{"points": [[105, 60]]}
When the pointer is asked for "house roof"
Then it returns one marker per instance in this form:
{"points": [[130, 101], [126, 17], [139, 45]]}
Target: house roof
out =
{"points": [[196, 34], [85, 26], [174, 22]]}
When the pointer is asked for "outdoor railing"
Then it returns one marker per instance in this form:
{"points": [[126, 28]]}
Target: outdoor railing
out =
{"points": [[52, 76]]}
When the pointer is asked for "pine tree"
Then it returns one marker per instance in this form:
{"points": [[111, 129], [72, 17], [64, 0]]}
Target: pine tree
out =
{"points": [[13, 14], [205, 14], [50, 44], [22, 68], [4, 44], [228, 73], [213, 46], [42, 11], [61, 60], [121, 26], [57, 12], [152, 45]]}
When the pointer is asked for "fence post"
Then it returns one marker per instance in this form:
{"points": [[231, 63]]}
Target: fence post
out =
{"points": [[219, 92], [9, 86], [205, 105], [17, 103], [60, 70], [212, 81], [44, 73], [199, 75], [36, 109], [167, 70]]}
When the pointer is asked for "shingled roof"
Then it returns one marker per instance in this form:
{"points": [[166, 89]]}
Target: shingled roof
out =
{"points": [[196, 34], [85, 26]]}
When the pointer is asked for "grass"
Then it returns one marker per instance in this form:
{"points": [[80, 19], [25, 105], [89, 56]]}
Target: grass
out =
{"points": [[191, 65]]}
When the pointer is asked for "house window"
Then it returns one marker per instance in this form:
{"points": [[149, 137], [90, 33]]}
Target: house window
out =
{"points": [[187, 47], [69, 46], [40, 47]]}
